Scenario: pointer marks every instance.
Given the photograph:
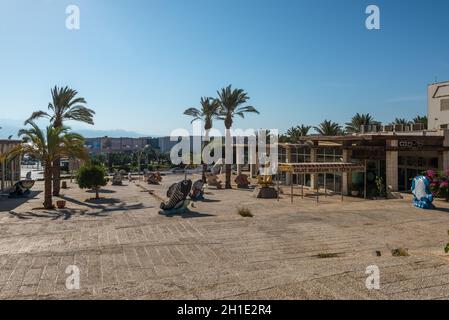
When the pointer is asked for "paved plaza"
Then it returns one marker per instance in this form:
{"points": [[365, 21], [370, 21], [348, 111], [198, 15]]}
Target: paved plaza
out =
{"points": [[306, 250]]}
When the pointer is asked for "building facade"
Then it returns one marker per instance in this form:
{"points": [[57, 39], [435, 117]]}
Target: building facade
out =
{"points": [[116, 145], [9, 170], [395, 157], [438, 105], [124, 144], [394, 153]]}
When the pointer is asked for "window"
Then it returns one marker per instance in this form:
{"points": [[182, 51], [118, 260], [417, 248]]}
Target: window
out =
{"points": [[444, 104]]}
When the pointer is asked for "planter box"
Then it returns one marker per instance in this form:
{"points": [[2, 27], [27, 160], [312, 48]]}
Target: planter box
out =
{"points": [[60, 204]]}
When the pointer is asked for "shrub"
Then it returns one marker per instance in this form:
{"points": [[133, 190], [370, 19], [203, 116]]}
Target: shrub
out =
{"points": [[380, 187], [245, 212], [439, 183], [91, 176]]}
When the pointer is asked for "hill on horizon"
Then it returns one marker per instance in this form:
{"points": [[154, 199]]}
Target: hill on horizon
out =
{"points": [[11, 128]]}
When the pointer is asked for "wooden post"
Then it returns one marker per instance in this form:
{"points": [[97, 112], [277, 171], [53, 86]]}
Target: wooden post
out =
{"points": [[335, 183], [341, 187], [364, 184], [291, 189], [325, 185], [302, 186], [277, 181]]}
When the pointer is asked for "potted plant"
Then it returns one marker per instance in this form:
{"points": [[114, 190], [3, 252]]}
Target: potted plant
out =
{"points": [[61, 204]]}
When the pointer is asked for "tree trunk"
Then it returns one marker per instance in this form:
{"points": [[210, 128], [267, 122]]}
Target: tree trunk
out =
{"points": [[204, 172], [97, 195], [228, 166], [48, 201], [228, 176], [56, 177]]}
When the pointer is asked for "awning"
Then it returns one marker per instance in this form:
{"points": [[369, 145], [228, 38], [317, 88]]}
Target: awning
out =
{"points": [[321, 167]]}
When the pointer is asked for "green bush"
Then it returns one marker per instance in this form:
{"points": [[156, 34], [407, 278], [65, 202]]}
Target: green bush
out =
{"points": [[245, 212], [92, 176], [446, 249]]}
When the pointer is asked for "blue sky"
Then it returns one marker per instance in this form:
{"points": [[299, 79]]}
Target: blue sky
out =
{"points": [[140, 63]]}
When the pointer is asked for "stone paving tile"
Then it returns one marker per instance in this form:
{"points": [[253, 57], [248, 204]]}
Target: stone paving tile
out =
{"points": [[129, 251]]}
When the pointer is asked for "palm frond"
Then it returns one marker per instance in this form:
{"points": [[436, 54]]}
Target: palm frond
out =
{"points": [[36, 115]]}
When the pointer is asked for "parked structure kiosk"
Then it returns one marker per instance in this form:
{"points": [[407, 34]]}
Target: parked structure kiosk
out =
{"points": [[319, 167]]}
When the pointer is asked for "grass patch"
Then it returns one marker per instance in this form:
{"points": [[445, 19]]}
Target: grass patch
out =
{"points": [[245, 212], [400, 252], [327, 255]]}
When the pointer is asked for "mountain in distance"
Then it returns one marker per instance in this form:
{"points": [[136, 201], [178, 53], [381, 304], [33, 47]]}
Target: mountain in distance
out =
{"points": [[11, 127]]}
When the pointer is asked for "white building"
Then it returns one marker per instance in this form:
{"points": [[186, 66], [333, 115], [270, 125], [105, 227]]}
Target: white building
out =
{"points": [[438, 106]]}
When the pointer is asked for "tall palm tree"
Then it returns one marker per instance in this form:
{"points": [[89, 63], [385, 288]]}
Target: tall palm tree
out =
{"points": [[421, 120], [48, 146], [65, 106], [329, 128], [401, 121], [294, 133], [208, 112], [231, 101], [304, 130], [359, 120]]}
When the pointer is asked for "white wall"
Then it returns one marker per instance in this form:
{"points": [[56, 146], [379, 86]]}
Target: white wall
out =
{"points": [[436, 93]]}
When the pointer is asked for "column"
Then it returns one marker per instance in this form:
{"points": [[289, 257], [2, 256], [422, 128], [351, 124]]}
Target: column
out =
{"points": [[445, 161], [346, 177], [444, 164], [288, 159], [392, 166], [313, 177]]}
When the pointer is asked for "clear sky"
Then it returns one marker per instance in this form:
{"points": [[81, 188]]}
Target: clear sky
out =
{"points": [[141, 63]]}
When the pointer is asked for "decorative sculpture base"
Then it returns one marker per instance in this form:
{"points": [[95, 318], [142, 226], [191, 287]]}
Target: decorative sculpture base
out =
{"points": [[265, 193]]}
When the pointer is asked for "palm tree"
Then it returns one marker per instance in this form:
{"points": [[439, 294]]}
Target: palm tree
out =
{"points": [[65, 106], [400, 121], [359, 120], [421, 120], [329, 128], [231, 101], [208, 112], [48, 147], [294, 133], [304, 130]]}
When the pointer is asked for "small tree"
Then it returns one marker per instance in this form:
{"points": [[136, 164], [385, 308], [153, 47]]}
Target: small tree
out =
{"points": [[91, 176], [446, 249]]}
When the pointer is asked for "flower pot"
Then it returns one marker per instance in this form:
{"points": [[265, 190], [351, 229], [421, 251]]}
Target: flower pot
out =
{"points": [[60, 204]]}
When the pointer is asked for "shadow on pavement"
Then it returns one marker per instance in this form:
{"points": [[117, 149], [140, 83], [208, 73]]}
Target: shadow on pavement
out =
{"points": [[188, 215], [7, 204]]}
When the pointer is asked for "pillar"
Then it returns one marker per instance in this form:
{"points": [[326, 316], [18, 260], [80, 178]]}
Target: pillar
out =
{"points": [[445, 160], [313, 177], [288, 159], [392, 166], [444, 164], [346, 177]]}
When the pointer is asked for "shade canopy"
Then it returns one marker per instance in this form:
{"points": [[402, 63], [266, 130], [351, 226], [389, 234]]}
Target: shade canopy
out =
{"points": [[321, 167]]}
